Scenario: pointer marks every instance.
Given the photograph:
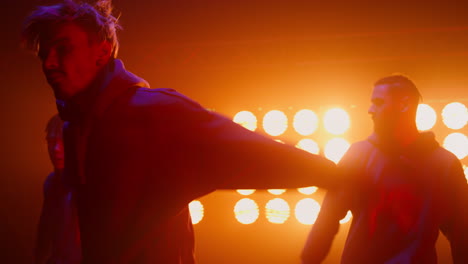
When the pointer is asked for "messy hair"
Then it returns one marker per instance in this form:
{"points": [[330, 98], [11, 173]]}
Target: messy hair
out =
{"points": [[400, 84], [96, 19]]}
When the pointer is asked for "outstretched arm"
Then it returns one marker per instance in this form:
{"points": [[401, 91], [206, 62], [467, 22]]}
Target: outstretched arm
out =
{"points": [[224, 155]]}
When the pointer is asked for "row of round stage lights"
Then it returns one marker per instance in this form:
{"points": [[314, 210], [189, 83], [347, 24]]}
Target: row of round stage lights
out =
{"points": [[277, 211], [305, 122], [336, 121]]}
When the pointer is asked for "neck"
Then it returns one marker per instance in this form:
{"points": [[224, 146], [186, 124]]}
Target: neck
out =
{"points": [[405, 135]]}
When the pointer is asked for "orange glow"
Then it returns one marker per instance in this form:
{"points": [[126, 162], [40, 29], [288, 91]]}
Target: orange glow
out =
{"points": [[457, 143], [307, 211], [336, 121], [308, 145], [426, 117], [246, 211], [346, 218], [275, 123], [246, 119], [305, 122], [277, 211], [336, 148], [196, 211], [246, 191], [276, 191], [455, 115], [308, 190]]}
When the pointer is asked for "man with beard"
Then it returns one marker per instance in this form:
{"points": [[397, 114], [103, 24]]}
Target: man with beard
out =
{"points": [[412, 188]]}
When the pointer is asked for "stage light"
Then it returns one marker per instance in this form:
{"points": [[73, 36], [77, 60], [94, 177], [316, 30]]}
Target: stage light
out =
{"points": [[346, 218], [275, 123], [457, 143], [307, 190], [455, 115], [307, 211], [305, 122], [336, 121], [246, 191], [246, 119], [196, 211], [308, 145], [276, 191], [426, 117], [246, 211], [336, 148], [277, 211]]}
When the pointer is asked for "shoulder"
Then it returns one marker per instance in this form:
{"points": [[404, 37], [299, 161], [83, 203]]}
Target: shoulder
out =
{"points": [[163, 97]]}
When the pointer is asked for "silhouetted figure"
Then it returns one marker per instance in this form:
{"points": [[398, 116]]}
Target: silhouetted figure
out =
{"points": [[58, 238], [138, 156], [411, 188]]}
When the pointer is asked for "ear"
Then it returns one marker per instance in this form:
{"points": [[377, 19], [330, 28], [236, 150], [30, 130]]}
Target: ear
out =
{"points": [[103, 53]]}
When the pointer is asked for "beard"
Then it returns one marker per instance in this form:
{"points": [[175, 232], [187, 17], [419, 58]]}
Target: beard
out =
{"points": [[384, 128]]}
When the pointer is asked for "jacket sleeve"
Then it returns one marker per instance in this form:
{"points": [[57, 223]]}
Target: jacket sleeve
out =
{"points": [[224, 155], [325, 228], [455, 226], [336, 204]]}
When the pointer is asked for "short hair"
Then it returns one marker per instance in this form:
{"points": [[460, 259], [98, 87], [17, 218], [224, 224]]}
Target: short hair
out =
{"points": [[54, 128], [401, 84], [97, 20]]}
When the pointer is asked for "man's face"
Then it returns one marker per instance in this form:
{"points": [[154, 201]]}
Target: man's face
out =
{"points": [[69, 59], [56, 152], [384, 110]]}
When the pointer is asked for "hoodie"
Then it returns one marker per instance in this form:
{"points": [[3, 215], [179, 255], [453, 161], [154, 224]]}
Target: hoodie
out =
{"points": [[406, 195]]}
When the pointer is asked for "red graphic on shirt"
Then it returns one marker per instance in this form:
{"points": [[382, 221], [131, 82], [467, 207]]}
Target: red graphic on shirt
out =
{"points": [[398, 205]]}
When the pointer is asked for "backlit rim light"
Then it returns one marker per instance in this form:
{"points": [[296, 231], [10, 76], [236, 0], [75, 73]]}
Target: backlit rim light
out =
{"points": [[277, 211], [308, 145], [197, 211], [307, 190], [455, 115], [246, 191], [426, 117], [246, 119], [246, 211], [336, 148], [276, 191], [275, 123], [336, 121], [465, 169], [347, 217], [466, 172], [306, 211], [305, 122], [457, 143]]}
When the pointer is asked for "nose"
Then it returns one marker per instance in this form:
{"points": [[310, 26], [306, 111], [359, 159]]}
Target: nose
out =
{"points": [[50, 61]]}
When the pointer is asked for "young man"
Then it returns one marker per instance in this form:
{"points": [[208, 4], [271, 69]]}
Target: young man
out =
{"points": [[137, 156], [58, 237], [412, 188]]}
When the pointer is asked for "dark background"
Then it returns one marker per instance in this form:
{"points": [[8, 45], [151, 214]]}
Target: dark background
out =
{"points": [[232, 56]]}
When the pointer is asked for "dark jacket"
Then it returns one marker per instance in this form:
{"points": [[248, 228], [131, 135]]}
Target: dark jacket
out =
{"points": [[406, 196], [138, 156]]}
